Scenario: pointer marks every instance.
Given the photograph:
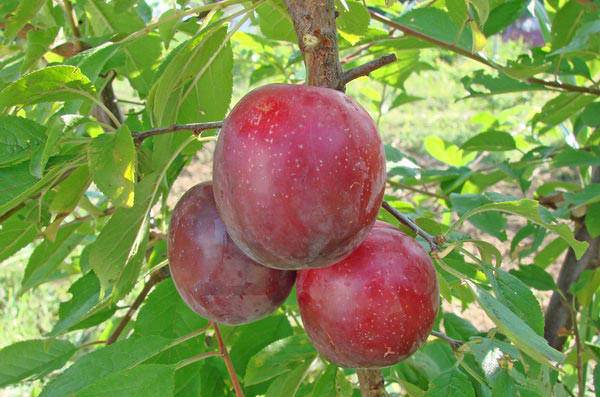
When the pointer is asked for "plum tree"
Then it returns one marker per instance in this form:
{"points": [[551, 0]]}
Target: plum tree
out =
{"points": [[299, 174], [376, 306], [211, 274]]}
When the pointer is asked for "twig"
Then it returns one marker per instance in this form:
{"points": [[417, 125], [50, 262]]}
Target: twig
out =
{"points": [[228, 363], [156, 277], [476, 57], [88, 344], [74, 26], [196, 358], [364, 70], [412, 225], [196, 128], [454, 343], [371, 382], [400, 185]]}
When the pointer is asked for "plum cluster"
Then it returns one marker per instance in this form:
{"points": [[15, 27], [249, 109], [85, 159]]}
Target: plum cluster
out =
{"points": [[298, 180]]}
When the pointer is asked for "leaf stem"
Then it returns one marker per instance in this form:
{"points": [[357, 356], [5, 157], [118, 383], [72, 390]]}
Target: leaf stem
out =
{"points": [[228, 363], [196, 128], [454, 343], [365, 69], [196, 358], [433, 244]]}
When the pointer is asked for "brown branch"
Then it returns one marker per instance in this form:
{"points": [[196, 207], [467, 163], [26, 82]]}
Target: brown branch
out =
{"points": [[433, 241], [478, 58], [228, 363], [196, 128], [196, 358], [454, 343], [110, 100], [371, 382], [364, 70], [558, 313], [156, 277], [399, 185]]}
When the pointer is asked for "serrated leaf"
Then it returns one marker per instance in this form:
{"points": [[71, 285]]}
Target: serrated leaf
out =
{"points": [[458, 12], [164, 313], [24, 12], [49, 255], [447, 153], [288, 383], [491, 141], [354, 19], [103, 362], [51, 84], [492, 223], [481, 83], [565, 23], [112, 162], [16, 232], [569, 157], [503, 15], [38, 42], [32, 359], [560, 108], [41, 155], [19, 137], [530, 209], [150, 380], [451, 383], [516, 329], [277, 358], [332, 383], [69, 191], [458, 327], [535, 277], [275, 22]]}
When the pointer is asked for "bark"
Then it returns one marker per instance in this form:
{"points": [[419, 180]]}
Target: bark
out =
{"points": [[558, 315]]}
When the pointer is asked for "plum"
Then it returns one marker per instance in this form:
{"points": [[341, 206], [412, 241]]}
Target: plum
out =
{"points": [[299, 174], [375, 307], [211, 274]]}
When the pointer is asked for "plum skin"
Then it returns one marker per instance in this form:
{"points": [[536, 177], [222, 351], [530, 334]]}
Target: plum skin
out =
{"points": [[375, 307], [299, 174], [211, 274]]}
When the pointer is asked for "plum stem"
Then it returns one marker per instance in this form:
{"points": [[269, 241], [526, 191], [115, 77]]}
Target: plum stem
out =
{"points": [[365, 69], [432, 240], [454, 343], [196, 128], [156, 277], [371, 382], [228, 363]]}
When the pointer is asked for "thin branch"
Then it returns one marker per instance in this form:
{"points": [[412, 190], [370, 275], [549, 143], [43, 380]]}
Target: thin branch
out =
{"points": [[371, 382], [74, 26], [400, 185], [156, 277], [433, 241], [476, 57], [196, 358], [454, 343], [196, 128], [228, 363], [364, 70]]}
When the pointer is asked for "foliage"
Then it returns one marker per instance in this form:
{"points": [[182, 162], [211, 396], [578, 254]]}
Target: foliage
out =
{"points": [[88, 201]]}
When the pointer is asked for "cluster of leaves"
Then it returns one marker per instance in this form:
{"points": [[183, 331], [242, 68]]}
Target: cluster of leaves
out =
{"points": [[90, 201]]}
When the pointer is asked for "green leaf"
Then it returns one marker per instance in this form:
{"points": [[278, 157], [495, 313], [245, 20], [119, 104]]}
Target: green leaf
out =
{"points": [[105, 20], [85, 295], [436, 23], [122, 236], [492, 141], [451, 383], [503, 15], [591, 115], [395, 74], [288, 383], [33, 359], [516, 329], [447, 153], [535, 277], [51, 84], [69, 191], [550, 253], [49, 255], [516, 296], [141, 56], [275, 22], [103, 362], [38, 42], [597, 379], [569, 157], [530, 209], [560, 108], [565, 23], [164, 313], [332, 383], [150, 380], [586, 286], [588, 195], [39, 160], [457, 11], [19, 137], [403, 99], [92, 61], [458, 327], [585, 40], [492, 223], [25, 11], [483, 84], [354, 20], [112, 161], [16, 232], [279, 357], [592, 220]]}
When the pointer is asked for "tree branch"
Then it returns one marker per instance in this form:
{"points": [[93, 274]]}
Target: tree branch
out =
{"points": [[454, 343], [364, 70], [74, 26], [196, 128], [156, 277], [476, 57], [371, 382], [228, 363], [433, 241]]}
